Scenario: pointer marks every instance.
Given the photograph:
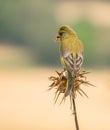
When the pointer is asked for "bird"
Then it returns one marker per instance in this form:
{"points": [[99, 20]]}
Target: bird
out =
{"points": [[71, 55]]}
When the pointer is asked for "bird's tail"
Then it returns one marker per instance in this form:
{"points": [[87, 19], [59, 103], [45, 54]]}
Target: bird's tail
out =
{"points": [[70, 85]]}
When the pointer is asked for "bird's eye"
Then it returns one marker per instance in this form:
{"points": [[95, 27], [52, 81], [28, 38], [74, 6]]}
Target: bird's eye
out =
{"points": [[60, 34]]}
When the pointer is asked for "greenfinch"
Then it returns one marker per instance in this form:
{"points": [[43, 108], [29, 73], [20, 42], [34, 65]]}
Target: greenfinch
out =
{"points": [[71, 54]]}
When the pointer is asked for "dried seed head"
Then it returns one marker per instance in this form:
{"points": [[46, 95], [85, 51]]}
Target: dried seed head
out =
{"points": [[60, 83]]}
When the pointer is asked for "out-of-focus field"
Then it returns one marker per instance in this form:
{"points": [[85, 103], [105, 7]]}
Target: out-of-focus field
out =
{"points": [[25, 103]]}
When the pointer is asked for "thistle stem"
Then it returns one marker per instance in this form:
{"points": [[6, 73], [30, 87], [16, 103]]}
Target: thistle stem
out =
{"points": [[75, 115]]}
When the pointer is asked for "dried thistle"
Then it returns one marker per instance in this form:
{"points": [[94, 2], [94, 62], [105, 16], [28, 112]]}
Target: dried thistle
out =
{"points": [[59, 82]]}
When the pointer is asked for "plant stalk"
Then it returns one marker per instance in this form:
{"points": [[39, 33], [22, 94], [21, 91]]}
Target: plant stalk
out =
{"points": [[75, 115]]}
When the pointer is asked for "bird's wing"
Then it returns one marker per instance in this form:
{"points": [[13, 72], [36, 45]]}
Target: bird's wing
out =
{"points": [[73, 59], [74, 63]]}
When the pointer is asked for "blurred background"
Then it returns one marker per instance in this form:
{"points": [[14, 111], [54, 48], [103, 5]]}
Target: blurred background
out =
{"points": [[29, 55]]}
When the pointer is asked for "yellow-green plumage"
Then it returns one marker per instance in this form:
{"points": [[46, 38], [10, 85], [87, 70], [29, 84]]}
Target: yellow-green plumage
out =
{"points": [[71, 53], [73, 44]]}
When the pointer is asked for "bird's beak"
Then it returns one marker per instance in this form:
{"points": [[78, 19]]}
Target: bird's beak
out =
{"points": [[57, 39]]}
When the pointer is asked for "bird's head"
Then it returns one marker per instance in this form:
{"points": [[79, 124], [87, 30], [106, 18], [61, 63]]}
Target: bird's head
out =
{"points": [[65, 32]]}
